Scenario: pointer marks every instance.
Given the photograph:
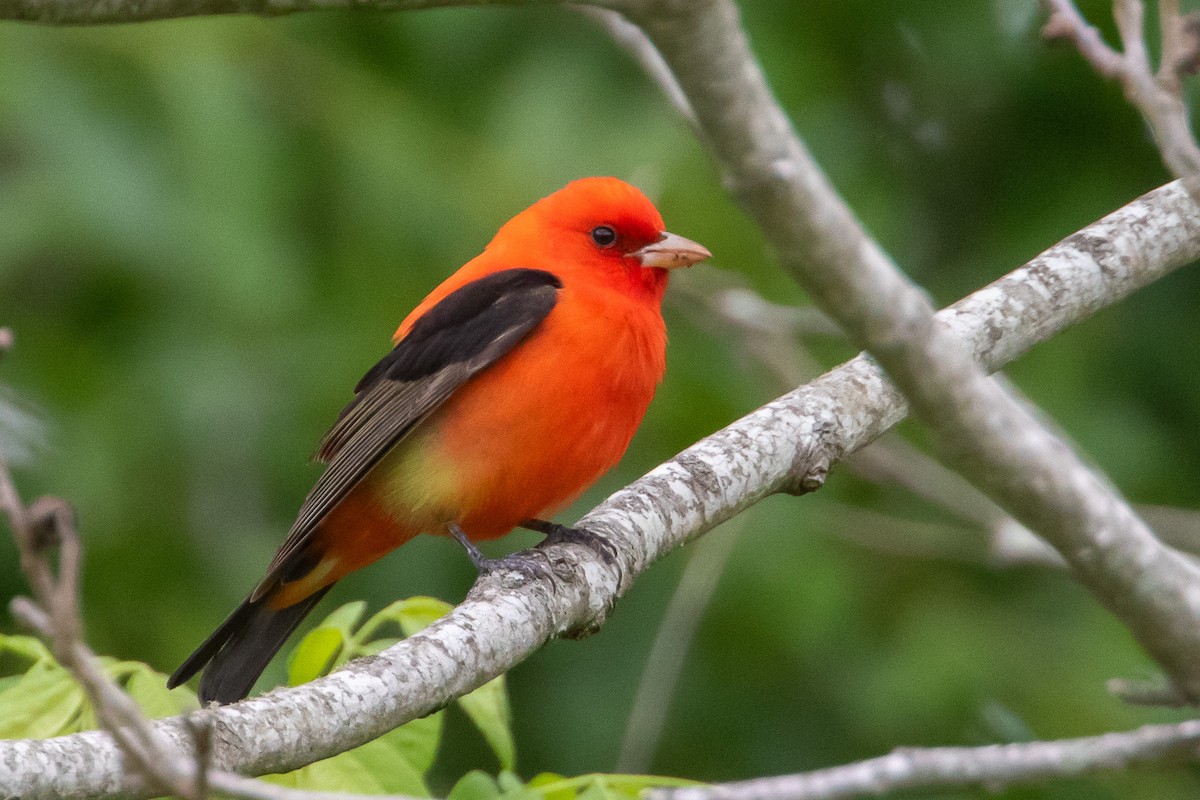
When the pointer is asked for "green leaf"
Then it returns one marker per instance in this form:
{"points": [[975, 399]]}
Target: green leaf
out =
{"points": [[475, 785], [489, 709], [417, 742], [315, 655], [149, 689], [552, 786], [374, 648], [19, 653], [400, 759], [555, 787], [346, 618], [45, 702], [392, 764], [410, 615], [417, 613]]}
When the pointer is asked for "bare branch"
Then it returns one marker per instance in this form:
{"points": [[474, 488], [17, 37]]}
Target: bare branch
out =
{"points": [[992, 767], [985, 434], [154, 764], [1158, 692], [667, 655], [1158, 96], [635, 43]]}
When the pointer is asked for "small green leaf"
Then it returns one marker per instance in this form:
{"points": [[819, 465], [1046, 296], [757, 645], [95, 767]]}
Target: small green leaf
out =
{"points": [[399, 759], [410, 615], [599, 789], [19, 653], [418, 741], [149, 689], [315, 655], [475, 785], [551, 786], [381, 766], [345, 618], [420, 612], [45, 702], [374, 648], [488, 708], [508, 781]]}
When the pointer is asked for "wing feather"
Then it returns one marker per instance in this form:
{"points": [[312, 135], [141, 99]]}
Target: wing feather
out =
{"points": [[464, 334]]}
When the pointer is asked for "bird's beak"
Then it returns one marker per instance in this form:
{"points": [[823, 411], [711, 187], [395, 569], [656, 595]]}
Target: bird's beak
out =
{"points": [[671, 252]]}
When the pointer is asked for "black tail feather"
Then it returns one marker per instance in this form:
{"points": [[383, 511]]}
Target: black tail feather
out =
{"points": [[239, 650]]}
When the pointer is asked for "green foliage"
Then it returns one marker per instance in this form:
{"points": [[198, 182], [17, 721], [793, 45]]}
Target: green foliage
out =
{"points": [[39, 699], [477, 785], [339, 638]]}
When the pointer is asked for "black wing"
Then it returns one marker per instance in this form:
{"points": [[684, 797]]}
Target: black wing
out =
{"points": [[467, 331]]}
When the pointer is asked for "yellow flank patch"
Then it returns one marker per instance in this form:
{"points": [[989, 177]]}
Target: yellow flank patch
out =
{"points": [[416, 483]]}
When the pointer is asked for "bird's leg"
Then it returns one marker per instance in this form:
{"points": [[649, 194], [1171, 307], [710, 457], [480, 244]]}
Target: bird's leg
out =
{"points": [[561, 534], [476, 555], [526, 563]]}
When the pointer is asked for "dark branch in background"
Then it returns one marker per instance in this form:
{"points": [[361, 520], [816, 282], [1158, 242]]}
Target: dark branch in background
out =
{"points": [[991, 767], [768, 333], [1157, 95]]}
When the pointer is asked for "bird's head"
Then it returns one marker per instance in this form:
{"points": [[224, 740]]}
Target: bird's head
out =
{"points": [[605, 227]]}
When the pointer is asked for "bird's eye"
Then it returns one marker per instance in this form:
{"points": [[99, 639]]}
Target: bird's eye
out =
{"points": [[604, 236]]}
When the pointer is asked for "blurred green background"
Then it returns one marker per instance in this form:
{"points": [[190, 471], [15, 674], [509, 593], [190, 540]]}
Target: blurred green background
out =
{"points": [[209, 229]]}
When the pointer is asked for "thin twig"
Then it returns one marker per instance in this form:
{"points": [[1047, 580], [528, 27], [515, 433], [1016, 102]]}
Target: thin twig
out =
{"points": [[630, 38], [1157, 95], [980, 430], [54, 616], [49, 523], [667, 655], [1155, 692]]}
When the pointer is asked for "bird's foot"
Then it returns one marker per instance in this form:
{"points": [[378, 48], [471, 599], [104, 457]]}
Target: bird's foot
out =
{"points": [[561, 534], [528, 563]]}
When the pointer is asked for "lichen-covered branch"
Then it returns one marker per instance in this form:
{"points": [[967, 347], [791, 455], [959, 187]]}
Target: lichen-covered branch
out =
{"points": [[991, 767], [786, 445], [105, 12], [1158, 95], [989, 437]]}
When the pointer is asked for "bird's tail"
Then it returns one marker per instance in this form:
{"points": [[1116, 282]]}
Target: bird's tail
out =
{"points": [[239, 650]]}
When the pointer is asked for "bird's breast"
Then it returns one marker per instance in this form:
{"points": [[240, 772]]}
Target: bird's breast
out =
{"points": [[533, 431]]}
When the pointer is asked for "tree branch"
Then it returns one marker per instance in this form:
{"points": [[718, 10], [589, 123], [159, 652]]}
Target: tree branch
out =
{"points": [[1158, 96], [106, 12], [786, 445], [983, 432], [992, 767]]}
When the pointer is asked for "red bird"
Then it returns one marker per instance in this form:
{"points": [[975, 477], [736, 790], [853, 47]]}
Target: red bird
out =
{"points": [[511, 388]]}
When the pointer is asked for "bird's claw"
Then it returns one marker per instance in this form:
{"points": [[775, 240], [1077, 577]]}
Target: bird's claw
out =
{"points": [[601, 546], [528, 563]]}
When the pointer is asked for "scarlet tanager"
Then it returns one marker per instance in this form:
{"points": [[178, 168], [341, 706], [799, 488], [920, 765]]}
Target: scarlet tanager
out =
{"points": [[511, 388]]}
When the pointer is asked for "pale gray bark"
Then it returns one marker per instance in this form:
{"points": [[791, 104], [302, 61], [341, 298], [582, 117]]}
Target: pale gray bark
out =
{"points": [[991, 767], [989, 437]]}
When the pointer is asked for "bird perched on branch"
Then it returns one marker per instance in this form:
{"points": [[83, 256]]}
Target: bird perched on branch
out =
{"points": [[511, 388]]}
